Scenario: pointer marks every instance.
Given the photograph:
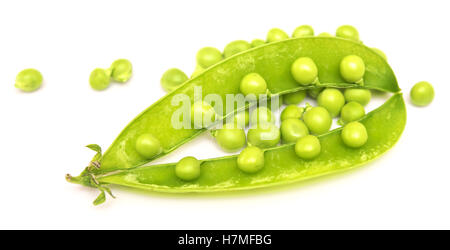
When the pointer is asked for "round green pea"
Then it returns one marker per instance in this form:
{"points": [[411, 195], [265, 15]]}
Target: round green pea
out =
{"points": [[352, 68], [352, 111], [422, 94], [324, 34], [188, 168], [348, 32], [242, 119], [314, 93], [99, 79], [294, 98], [354, 134], [307, 147], [251, 160], [303, 30], [331, 99], [318, 120], [291, 111], [173, 78], [29, 80], [231, 137], [203, 114], [208, 56], [304, 71], [275, 35], [261, 115], [254, 84], [236, 47], [257, 42], [121, 70], [293, 129], [148, 146], [362, 96], [380, 53], [264, 135]]}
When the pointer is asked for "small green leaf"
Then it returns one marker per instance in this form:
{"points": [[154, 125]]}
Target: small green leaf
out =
{"points": [[95, 147], [100, 199], [97, 157]]}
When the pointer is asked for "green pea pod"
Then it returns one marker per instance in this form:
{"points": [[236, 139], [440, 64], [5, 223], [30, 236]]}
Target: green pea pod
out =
{"points": [[384, 127], [272, 61]]}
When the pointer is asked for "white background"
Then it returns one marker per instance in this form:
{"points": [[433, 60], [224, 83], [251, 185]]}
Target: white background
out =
{"points": [[43, 133]]}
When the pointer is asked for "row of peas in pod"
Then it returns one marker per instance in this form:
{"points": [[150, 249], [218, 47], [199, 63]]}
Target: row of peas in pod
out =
{"points": [[208, 56], [421, 94]]}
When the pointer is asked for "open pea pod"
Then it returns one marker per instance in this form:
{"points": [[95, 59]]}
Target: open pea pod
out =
{"points": [[384, 127], [272, 62]]}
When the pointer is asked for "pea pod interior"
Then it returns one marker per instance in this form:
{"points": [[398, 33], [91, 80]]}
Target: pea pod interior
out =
{"points": [[272, 61], [384, 126]]}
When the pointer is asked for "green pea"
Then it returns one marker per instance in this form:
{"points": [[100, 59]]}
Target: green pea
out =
{"points": [[331, 99], [362, 96], [318, 120], [121, 70], [314, 93], [263, 135], [148, 146], [422, 94], [197, 71], [324, 34], [188, 168], [251, 160], [236, 47], [352, 68], [253, 83], [352, 111], [354, 135], [208, 56], [348, 32], [203, 114], [242, 119], [99, 79], [307, 147], [294, 98], [261, 115], [302, 31], [257, 42], [304, 71], [380, 52], [293, 129], [29, 80], [231, 137], [173, 78], [291, 111], [275, 35]]}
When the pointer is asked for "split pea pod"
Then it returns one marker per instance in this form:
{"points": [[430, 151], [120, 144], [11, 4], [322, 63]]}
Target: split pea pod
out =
{"points": [[273, 62]]}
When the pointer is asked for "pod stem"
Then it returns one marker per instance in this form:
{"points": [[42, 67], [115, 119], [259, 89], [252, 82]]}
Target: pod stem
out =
{"points": [[87, 177]]}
